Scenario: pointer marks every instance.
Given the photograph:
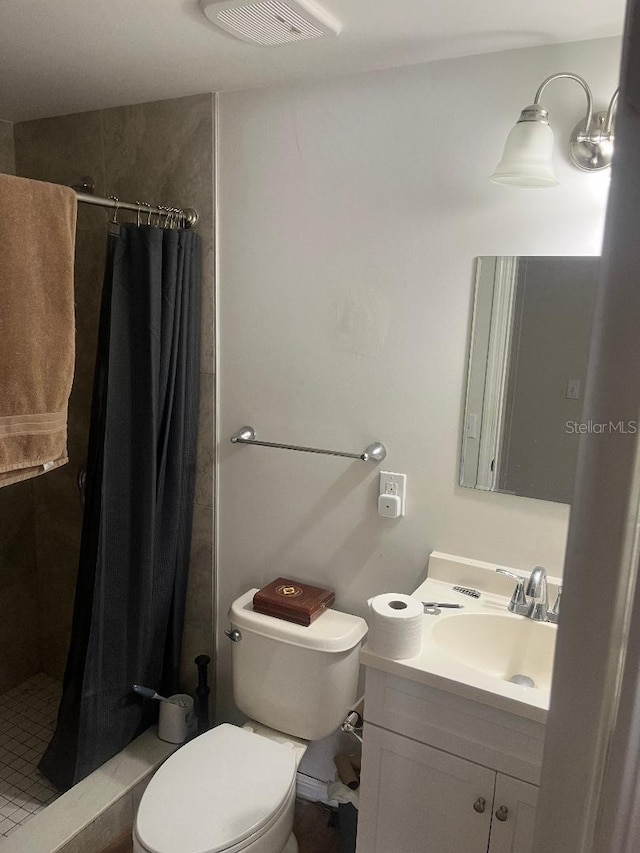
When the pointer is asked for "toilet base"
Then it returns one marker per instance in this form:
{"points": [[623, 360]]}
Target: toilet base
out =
{"points": [[292, 845]]}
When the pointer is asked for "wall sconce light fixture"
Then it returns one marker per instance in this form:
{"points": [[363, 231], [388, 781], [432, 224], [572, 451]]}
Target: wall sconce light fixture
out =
{"points": [[526, 161]]}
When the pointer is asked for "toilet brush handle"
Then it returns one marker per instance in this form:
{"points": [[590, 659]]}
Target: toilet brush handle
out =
{"points": [[202, 694], [147, 692], [150, 693]]}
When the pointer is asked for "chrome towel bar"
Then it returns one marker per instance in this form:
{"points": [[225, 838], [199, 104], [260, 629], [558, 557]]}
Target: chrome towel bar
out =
{"points": [[375, 452]]}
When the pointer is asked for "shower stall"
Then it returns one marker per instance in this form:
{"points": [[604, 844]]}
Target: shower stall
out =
{"points": [[161, 151]]}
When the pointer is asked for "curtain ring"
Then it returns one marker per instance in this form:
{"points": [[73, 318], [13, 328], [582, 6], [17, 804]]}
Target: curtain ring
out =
{"points": [[138, 212], [143, 204], [115, 211], [149, 214]]}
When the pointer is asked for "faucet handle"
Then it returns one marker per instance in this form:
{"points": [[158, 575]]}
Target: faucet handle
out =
{"points": [[554, 612], [518, 603], [510, 574]]}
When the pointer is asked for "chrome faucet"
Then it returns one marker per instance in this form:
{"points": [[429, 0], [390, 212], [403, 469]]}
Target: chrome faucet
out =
{"points": [[531, 599], [536, 592]]}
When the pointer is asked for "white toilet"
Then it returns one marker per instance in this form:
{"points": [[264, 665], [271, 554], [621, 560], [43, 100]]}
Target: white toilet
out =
{"points": [[233, 789]]}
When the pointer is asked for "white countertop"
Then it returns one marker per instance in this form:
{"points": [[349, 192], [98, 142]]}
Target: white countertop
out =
{"points": [[437, 668]]}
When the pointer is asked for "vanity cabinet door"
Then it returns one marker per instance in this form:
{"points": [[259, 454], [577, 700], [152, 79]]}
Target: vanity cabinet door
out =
{"points": [[514, 815], [417, 799]]}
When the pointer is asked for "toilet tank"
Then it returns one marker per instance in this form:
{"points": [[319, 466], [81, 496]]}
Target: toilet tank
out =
{"points": [[301, 680]]}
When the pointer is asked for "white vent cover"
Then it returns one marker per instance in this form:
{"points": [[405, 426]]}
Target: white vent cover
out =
{"points": [[271, 22]]}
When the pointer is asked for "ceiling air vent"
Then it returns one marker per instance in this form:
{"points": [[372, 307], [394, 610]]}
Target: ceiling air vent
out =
{"points": [[272, 21]]}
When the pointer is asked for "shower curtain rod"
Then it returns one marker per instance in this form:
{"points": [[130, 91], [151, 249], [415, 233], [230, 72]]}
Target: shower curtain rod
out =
{"points": [[188, 215]]}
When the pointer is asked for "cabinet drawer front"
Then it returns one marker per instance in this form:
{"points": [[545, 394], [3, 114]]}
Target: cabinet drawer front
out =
{"points": [[486, 735], [417, 799]]}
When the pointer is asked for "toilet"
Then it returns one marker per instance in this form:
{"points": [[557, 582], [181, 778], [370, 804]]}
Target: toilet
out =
{"points": [[233, 789]]}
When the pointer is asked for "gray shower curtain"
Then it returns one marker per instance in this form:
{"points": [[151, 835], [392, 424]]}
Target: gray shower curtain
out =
{"points": [[129, 605]]}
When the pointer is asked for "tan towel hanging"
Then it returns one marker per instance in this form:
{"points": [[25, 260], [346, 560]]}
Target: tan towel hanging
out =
{"points": [[37, 355]]}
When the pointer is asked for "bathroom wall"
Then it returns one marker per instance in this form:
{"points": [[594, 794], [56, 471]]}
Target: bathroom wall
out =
{"points": [[160, 152], [19, 641], [351, 212]]}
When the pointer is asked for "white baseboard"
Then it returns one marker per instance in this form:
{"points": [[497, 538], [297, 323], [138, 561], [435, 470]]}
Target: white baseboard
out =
{"points": [[308, 788]]}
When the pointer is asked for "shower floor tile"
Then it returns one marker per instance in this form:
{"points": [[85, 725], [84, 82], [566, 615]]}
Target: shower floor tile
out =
{"points": [[27, 719]]}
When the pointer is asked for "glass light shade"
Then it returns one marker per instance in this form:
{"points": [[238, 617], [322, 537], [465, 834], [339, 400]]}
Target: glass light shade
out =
{"points": [[526, 161]]}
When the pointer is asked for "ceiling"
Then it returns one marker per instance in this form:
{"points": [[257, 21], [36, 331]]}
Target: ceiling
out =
{"points": [[64, 56]]}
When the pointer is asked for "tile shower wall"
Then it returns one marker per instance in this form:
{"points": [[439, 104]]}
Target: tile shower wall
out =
{"points": [[7, 153], [162, 152], [45, 151], [19, 639], [18, 579]]}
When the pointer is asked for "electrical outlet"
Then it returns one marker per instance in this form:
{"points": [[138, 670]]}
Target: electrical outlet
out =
{"points": [[573, 389], [392, 486]]}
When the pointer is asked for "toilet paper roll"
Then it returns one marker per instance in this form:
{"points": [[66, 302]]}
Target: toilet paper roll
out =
{"points": [[346, 771], [395, 625]]}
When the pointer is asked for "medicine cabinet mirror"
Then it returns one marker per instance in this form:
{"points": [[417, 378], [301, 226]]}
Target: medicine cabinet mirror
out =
{"points": [[528, 356]]}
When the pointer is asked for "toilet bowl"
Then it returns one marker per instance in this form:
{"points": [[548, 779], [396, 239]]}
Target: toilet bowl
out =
{"points": [[233, 789]]}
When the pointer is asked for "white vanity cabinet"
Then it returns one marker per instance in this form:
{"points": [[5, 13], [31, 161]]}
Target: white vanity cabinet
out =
{"points": [[514, 816], [444, 774]]}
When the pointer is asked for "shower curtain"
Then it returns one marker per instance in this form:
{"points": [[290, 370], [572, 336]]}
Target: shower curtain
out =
{"points": [[134, 555]]}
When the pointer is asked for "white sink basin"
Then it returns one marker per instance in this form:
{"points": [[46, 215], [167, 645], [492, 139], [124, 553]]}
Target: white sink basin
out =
{"points": [[475, 652], [499, 645]]}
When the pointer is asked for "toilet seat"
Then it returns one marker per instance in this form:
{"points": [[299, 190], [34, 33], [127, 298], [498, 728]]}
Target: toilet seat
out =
{"points": [[220, 790]]}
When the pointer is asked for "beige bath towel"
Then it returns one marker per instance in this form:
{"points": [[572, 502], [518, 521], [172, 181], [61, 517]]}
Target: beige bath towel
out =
{"points": [[37, 238]]}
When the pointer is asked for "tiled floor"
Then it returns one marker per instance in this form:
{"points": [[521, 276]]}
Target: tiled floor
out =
{"points": [[27, 717]]}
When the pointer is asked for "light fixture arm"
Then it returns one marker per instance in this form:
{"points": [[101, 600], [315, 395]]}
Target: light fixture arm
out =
{"points": [[611, 112], [567, 75]]}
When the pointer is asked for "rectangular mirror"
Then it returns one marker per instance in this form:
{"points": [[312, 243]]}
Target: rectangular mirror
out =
{"points": [[528, 358]]}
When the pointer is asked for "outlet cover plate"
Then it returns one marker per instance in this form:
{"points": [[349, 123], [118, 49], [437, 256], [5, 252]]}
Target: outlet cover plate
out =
{"points": [[394, 484]]}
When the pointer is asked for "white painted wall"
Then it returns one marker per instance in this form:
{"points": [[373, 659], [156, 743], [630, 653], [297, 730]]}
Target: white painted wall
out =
{"points": [[350, 214]]}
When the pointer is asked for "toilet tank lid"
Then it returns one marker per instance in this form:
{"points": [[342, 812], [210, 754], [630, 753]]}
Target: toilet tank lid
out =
{"points": [[332, 631]]}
